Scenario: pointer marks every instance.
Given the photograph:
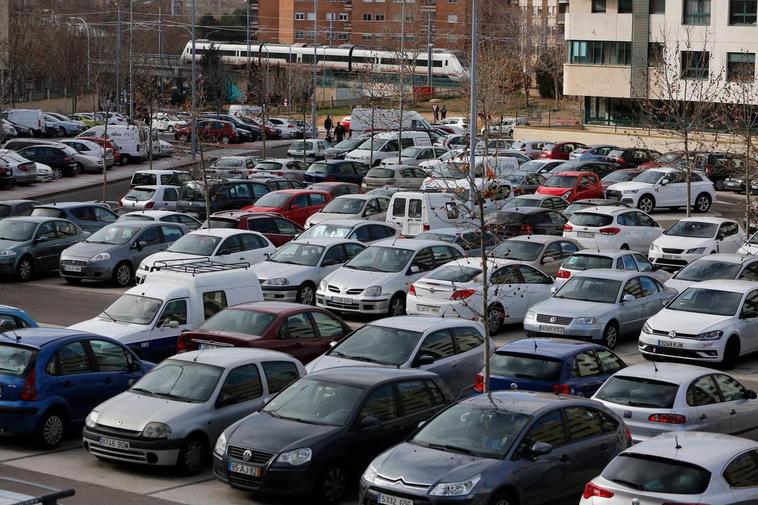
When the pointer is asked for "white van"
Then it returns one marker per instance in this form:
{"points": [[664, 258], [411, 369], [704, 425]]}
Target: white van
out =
{"points": [[149, 317], [237, 110], [130, 139], [30, 118], [413, 212], [386, 144], [366, 119]]}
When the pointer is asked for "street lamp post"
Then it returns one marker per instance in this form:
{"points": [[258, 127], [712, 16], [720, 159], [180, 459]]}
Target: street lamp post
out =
{"points": [[194, 79], [131, 77], [314, 126]]}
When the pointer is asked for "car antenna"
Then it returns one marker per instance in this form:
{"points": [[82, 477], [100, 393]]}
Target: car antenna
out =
{"points": [[535, 343], [676, 439], [200, 351], [654, 366]]}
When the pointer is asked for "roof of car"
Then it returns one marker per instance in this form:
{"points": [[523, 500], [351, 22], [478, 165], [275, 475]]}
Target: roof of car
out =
{"points": [[540, 239], [365, 376], [359, 196], [237, 214], [332, 184], [598, 202], [152, 186], [613, 253], [535, 196], [152, 213], [37, 337], [708, 219], [326, 241], [231, 356], [604, 209], [421, 323], [734, 285], [729, 258], [274, 307], [553, 347], [607, 273], [408, 243], [296, 191], [350, 222], [710, 450], [525, 402], [221, 232], [527, 210], [73, 205], [158, 172], [31, 219], [17, 202], [676, 373], [476, 262], [570, 173], [448, 231]]}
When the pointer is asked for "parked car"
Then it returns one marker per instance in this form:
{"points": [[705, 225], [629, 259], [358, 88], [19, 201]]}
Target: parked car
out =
{"points": [[511, 222], [296, 205], [631, 157], [412, 156], [398, 176], [336, 189], [470, 240], [159, 178], [284, 167], [150, 197], [621, 175], [308, 150], [164, 216], [610, 259], [286, 128], [233, 167], [246, 132], [572, 186], [559, 150], [544, 252], [59, 158], [267, 130], [593, 152], [278, 229], [353, 229], [53, 377], [335, 171], [166, 121], [588, 203], [106, 144], [65, 127], [12, 318], [690, 238], [504, 127], [524, 182], [91, 149], [613, 228], [88, 216], [600, 168], [664, 187], [715, 266], [498, 449], [541, 166], [14, 208], [208, 130], [54, 154], [231, 194], [16, 169], [369, 207], [602, 305], [339, 150], [530, 148], [537, 200]]}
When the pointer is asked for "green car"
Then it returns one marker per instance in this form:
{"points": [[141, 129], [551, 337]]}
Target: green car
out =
{"points": [[88, 118]]}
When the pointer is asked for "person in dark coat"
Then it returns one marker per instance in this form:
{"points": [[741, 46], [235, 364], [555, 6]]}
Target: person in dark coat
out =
{"points": [[436, 112], [443, 112], [339, 132], [328, 127]]}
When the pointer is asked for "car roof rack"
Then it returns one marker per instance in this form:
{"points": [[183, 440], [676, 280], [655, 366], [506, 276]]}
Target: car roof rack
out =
{"points": [[195, 266]]}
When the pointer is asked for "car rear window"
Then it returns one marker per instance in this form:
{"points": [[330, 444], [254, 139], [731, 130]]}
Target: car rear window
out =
{"points": [[587, 261], [638, 392], [14, 359], [590, 219], [47, 212], [239, 321], [139, 179], [526, 366], [222, 222], [454, 273], [653, 474], [381, 173], [318, 168], [140, 194], [616, 153]]}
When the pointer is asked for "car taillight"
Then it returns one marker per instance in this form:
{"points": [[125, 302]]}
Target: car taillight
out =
{"points": [[29, 388], [667, 418], [568, 227], [412, 290], [628, 436], [526, 229], [183, 344], [149, 205], [68, 159], [593, 491], [479, 382], [620, 161], [611, 230], [561, 389], [563, 274], [427, 227], [462, 294], [290, 125]]}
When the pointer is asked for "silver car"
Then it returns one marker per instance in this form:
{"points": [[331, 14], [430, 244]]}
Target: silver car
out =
{"points": [[114, 252], [545, 252], [655, 399], [175, 413], [599, 305]]}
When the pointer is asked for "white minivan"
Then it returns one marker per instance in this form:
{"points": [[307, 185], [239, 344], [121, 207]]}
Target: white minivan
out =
{"points": [[413, 212], [30, 118], [387, 144], [130, 139]]}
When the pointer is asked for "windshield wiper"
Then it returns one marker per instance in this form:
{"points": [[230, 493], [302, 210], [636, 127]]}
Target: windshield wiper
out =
{"points": [[11, 239], [369, 268], [169, 396], [145, 391], [451, 448], [339, 354], [362, 358], [628, 483], [108, 316]]}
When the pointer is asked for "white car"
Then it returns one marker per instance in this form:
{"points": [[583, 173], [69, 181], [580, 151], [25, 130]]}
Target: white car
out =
{"points": [[612, 228], [693, 237], [370, 207], [715, 266], [222, 245], [150, 197], [165, 149], [414, 156], [164, 121], [44, 172], [664, 187], [614, 259], [750, 246], [455, 290], [711, 322], [234, 167], [682, 468], [504, 127], [294, 271], [361, 230], [166, 216], [455, 122], [286, 128], [313, 151], [376, 280], [454, 153]]}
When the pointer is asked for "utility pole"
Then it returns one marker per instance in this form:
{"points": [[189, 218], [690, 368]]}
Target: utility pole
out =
{"points": [[194, 84], [429, 46], [131, 76], [118, 55], [402, 61], [472, 119], [314, 126], [160, 44], [247, 26]]}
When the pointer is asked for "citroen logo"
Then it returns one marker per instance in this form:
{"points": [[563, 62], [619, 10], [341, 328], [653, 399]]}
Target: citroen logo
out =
{"points": [[553, 319], [514, 386], [120, 422], [635, 501], [247, 455], [672, 334]]}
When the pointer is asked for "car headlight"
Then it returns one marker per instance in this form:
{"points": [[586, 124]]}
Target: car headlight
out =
{"points": [[585, 321], [91, 420], [295, 457], [370, 474], [373, 291], [654, 247], [630, 191], [738, 181], [696, 250], [100, 257], [531, 315], [455, 488], [322, 285], [220, 447], [8, 252], [646, 328], [276, 281], [711, 335], [156, 430]]}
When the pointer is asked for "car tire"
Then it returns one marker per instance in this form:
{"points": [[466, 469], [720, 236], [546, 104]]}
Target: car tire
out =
{"points": [[496, 316], [193, 455], [24, 269], [397, 306], [57, 173], [646, 204], [719, 184], [123, 274], [79, 169], [610, 335], [332, 484], [731, 353], [51, 430], [306, 294], [75, 281], [503, 498], [702, 203]]}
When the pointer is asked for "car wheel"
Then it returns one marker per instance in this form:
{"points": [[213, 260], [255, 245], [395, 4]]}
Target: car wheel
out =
{"points": [[719, 184], [333, 485], [646, 204], [57, 173], [503, 498], [51, 429], [397, 306], [24, 269], [307, 294], [495, 318], [123, 275], [610, 335], [192, 456], [224, 139], [731, 353], [170, 129], [702, 203], [73, 280], [79, 169]]}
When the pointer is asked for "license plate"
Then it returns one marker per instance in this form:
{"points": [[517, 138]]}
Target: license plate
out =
{"points": [[386, 499], [670, 257], [72, 268], [253, 471], [670, 343], [112, 442], [585, 234], [557, 330], [428, 309], [204, 347], [342, 300]]}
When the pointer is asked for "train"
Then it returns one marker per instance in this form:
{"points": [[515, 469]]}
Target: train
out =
{"points": [[446, 63]]}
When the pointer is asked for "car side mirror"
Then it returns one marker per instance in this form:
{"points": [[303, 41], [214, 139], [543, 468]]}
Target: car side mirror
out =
{"points": [[173, 324], [369, 422], [425, 359], [627, 298], [414, 269], [224, 399], [541, 448], [750, 395], [664, 182], [547, 259], [41, 239], [332, 343]]}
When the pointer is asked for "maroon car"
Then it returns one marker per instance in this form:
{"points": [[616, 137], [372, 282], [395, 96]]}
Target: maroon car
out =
{"points": [[559, 150], [302, 331], [336, 188], [209, 130], [278, 229]]}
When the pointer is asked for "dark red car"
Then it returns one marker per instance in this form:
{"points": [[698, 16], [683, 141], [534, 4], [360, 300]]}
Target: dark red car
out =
{"points": [[107, 144], [268, 130], [279, 230], [209, 130], [559, 150], [336, 189], [572, 186], [295, 204], [303, 331]]}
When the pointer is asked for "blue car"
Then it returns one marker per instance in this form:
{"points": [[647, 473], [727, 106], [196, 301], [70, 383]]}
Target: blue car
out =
{"points": [[50, 379], [12, 318], [562, 366], [88, 216]]}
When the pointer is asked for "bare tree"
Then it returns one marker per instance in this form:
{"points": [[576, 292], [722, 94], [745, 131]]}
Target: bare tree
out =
{"points": [[148, 96]]}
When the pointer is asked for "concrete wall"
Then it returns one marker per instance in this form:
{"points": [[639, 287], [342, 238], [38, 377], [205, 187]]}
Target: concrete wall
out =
{"points": [[593, 80], [59, 105]]}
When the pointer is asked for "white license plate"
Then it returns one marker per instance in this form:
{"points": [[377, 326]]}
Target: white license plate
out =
{"points": [[112, 442], [557, 330], [72, 268], [342, 300], [670, 256], [386, 499], [253, 471], [204, 347], [670, 343], [585, 234], [430, 309]]}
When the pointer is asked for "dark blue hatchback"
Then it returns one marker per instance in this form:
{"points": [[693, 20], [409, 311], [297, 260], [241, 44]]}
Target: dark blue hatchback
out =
{"points": [[335, 171], [562, 366], [50, 379]]}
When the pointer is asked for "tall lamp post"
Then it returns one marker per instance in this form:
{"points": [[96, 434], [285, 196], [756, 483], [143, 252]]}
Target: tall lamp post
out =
{"points": [[194, 84], [314, 126], [472, 111]]}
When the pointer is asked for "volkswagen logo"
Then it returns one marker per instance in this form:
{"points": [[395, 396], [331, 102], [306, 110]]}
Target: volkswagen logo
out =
{"points": [[247, 455], [635, 501], [514, 386], [553, 319], [672, 334], [627, 414]]}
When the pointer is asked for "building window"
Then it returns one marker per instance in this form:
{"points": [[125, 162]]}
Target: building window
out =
{"points": [[366, 36], [740, 66], [311, 34], [330, 16], [342, 36], [625, 6], [452, 39], [299, 16], [655, 54], [695, 64], [311, 16], [378, 17], [299, 35], [598, 5], [343, 16], [367, 16], [452, 18], [452, 1], [742, 12], [600, 52], [657, 6], [697, 12]]}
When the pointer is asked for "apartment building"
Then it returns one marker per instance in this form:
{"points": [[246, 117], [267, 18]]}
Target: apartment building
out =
{"points": [[618, 51]]}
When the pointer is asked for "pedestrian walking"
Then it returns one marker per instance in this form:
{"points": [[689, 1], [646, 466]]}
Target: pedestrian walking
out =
{"points": [[443, 112], [436, 112], [328, 127], [339, 132]]}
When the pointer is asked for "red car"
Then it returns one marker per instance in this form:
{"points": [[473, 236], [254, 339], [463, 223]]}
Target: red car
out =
{"points": [[303, 331], [572, 186], [267, 130], [295, 204], [279, 230], [107, 144], [336, 189], [209, 130], [559, 150]]}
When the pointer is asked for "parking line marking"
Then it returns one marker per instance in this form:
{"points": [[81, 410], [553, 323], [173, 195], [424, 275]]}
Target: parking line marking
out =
{"points": [[209, 479]]}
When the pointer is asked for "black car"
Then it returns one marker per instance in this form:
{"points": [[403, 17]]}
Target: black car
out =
{"points": [[54, 156], [320, 433], [601, 168], [340, 150], [631, 157], [247, 132], [526, 221], [335, 171], [229, 194], [13, 208], [503, 448]]}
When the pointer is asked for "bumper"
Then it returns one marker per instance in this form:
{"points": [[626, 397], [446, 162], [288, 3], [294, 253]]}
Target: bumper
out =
{"points": [[8, 265], [682, 348], [87, 270], [26, 178], [19, 417], [368, 494], [441, 309], [149, 452], [534, 329], [274, 481], [674, 261], [378, 305], [281, 294], [734, 186]]}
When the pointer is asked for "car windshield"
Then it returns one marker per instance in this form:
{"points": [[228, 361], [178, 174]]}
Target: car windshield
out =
{"points": [[381, 259], [227, 163], [299, 145], [239, 321], [452, 170], [705, 270], [318, 168], [114, 234], [523, 202], [132, 309], [273, 199], [590, 289], [513, 178], [661, 476], [313, 401], [17, 231], [583, 262], [325, 230], [526, 366], [620, 176], [638, 392], [381, 173], [410, 152], [192, 191], [377, 344], [479, 429], [14, 359], [650, 176], [349, 144], [344, 205], [560, 181], [296, 253], [183, 381], [590, 219], [520, 250], [707, 301], [140, 194], [668, 157], [195, 243], [439, 237], [47, 212], [268, 165], [454, 273], [695, 229]]}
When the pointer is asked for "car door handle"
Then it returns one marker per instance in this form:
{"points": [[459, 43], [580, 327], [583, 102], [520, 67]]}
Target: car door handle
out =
{"points": [[108, 380], [565, 457], [733, 412], [703, 416]]}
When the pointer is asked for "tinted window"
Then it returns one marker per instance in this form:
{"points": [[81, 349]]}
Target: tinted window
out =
{"points": [[657, 475], [587, 262], [171, 233], [298, 326], [638, 392], [415, 397], [530, 366], [398, 207], [532, 275], [585, 365], [213, 302], [731, 390], [279, 374], [466, 338], [583, 423], [703, 391], [380, 406], [547, 429], [15, 360], [110, 357], [73, 359], [414, 209], [242, 384], [742, 471], [609, 362], [328, 326], [438, 345], [262, 225], [589, 219], [629, 263], [176, 310], [643, 264]]}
